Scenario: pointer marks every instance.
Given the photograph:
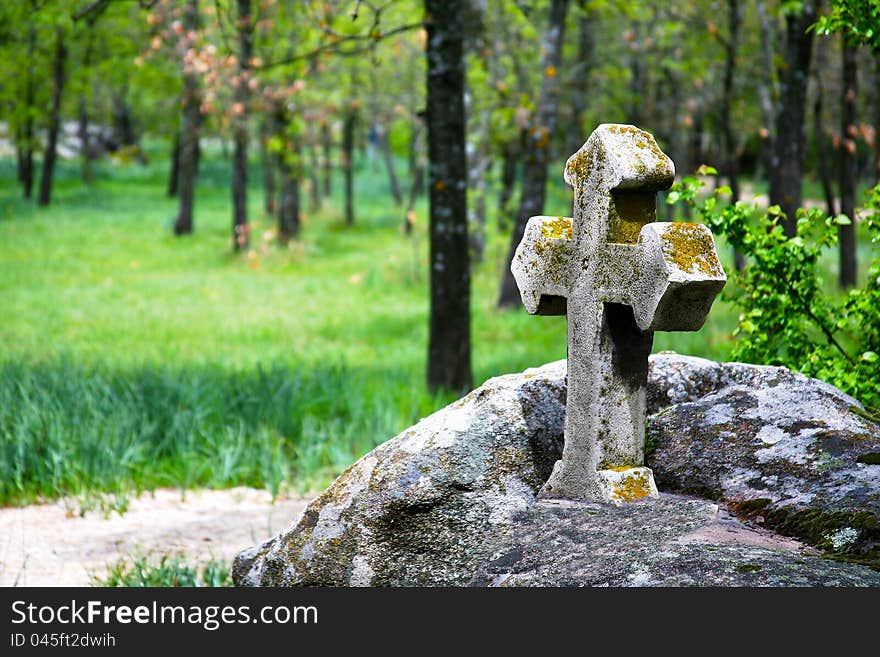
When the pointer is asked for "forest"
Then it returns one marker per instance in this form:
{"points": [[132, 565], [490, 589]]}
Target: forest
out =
{"points": [[244, 241]]}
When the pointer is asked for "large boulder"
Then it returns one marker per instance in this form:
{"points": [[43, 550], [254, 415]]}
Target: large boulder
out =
{"points": [[673, 541], [783, 450], [438, 503], [426, 507]]}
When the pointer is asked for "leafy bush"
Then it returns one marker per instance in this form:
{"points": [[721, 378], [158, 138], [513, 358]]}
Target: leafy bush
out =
{"points": [[786, 316]]}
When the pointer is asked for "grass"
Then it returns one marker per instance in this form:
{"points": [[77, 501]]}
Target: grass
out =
{"points": [[132, 359], [168, 571]]}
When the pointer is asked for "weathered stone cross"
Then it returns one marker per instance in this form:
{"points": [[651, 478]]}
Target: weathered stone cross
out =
{"points": [[619, 276]]}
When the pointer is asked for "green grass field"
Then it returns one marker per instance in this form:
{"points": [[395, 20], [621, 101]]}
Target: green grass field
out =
{"points": [[132, 359]]}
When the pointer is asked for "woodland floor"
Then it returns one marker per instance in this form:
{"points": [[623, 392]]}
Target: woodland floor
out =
{"points": [[54, 545]]}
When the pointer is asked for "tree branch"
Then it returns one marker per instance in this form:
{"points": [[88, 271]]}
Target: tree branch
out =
{"points": [[336, 46]]}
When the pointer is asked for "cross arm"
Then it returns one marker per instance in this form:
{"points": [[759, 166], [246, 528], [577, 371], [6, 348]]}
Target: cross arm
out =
{"points": [[541, 265], [670, 278]]}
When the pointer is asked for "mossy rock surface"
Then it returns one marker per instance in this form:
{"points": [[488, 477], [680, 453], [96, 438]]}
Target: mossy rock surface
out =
{"points": [[784, 451], [448, 498]]}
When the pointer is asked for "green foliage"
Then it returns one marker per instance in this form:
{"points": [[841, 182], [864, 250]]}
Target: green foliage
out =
{"points": [[787, 318], [170, 571], [857, 20]]}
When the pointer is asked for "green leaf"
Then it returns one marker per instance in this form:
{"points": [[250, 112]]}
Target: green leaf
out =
{"points": [[706, 170], [842, 220], [673, 197], [724, 190], [869, 357]]}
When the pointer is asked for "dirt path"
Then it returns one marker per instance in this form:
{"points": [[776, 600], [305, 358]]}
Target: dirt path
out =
{"points": [[46, 545]]}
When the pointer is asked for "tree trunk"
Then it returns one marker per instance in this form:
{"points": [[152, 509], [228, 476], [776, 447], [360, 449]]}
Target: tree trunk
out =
{"points": [[637, 77], [60, 60], [449, 346], [270, 164], [174, 169], [314, 183], [124, 131], [877, 119], [766, 87], [240, 128], [786, 170], [384, 145], [189, 138], [537, 148], [848, 134], [326, 145], [512, 151], [580, 75], [478, 169], [83, 127], [824, 153], [734, 19], [417, 157], [348, 128], [27, 131], [289, 170]]}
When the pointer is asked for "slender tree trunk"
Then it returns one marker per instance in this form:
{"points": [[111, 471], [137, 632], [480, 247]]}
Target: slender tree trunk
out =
{"points": [[348, 129], [824, 154], [537, 148], [766, 87], [60, 59], [27, 140], [240, 128], [83, 127], [289, 197], [580, 90], [417, 158], [449, 346], [384, 146], [786, 171], [877, 118], [189, 138], [848, 134], [637, 78], [326, 147], [314, 183], [19, 155], [85, 146], [478, 169], [731, 51], [511, 155], [174, 169], [270, 164], [124, 131]]}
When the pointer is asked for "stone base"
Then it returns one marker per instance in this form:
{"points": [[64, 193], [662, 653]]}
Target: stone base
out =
{"points": [[626, 484]]}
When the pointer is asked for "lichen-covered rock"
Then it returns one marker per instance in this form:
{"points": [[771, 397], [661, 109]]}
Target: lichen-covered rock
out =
{"points": [[425, 507], [787, 451], [673, 541], [431, 505]]}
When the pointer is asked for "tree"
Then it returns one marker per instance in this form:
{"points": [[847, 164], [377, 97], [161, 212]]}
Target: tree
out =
{"points": [[191, 122], [449, 346], [240, 127], [848, 134], [537, 151], [789, 140], [58, 79], [731, 48]]}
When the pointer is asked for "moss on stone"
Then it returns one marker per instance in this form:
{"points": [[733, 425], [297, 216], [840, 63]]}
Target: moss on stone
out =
{"points": [[690, 247], [557, 228]]}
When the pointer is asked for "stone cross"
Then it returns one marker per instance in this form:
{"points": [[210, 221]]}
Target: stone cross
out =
{"points": [[619, 275]]}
